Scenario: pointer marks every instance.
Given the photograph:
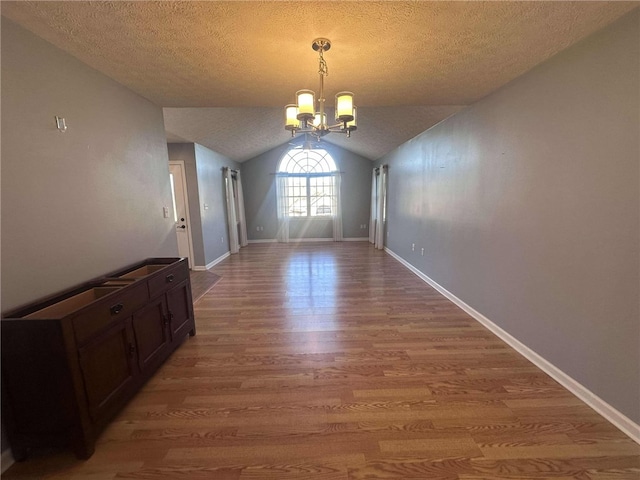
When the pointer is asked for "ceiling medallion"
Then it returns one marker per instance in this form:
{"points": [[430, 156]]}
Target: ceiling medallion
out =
{"points": [[303, 117]]}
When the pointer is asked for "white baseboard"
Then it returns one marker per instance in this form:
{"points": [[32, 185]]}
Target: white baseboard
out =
{"points": [[200, 268], [6, 460], [622, 422], [297, 240], [291, 240]]}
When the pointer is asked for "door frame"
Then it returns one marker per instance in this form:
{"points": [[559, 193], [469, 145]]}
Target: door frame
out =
{"points": [[180, 163]]}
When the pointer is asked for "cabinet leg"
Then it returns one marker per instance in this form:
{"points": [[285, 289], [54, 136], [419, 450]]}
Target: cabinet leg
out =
{"points": [[192, 332]]}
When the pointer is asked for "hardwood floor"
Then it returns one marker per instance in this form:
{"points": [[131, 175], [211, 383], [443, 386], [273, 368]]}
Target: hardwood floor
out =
{"points": [[334, 362]]}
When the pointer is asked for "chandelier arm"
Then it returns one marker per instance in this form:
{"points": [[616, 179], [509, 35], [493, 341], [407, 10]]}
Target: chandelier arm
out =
{"points": [[310, 129]]}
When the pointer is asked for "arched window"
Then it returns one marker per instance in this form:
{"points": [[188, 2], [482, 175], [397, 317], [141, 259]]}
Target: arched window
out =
{"points": [[308, 178], [297, 160]]}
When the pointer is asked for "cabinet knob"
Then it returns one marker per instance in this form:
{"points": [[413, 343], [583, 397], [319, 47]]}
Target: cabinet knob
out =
{"points": [[170, 278], [116, 309]]}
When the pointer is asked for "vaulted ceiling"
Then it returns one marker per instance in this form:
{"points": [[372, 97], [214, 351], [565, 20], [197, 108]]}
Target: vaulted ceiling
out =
{"points": [[224, 70]]}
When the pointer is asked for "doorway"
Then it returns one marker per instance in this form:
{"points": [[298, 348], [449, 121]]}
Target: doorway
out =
{"points": [[181, 210]]}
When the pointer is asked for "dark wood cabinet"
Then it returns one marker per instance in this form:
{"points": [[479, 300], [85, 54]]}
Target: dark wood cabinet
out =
{"points": [[180, 307], [71, 362], [108, 368], [151, 329]]}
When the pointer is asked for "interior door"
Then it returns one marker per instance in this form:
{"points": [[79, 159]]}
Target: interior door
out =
{"points": [[181, 210]]}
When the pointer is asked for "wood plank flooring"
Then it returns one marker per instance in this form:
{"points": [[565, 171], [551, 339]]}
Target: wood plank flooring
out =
{"points": [[331, 361]]}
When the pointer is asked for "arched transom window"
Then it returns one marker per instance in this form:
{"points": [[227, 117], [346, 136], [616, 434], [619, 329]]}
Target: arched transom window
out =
{"points": [[307, 161], [308, 181]]}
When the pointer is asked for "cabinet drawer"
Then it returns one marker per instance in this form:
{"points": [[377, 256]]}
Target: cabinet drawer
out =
{"points": [[103, 313], [167, 278]]}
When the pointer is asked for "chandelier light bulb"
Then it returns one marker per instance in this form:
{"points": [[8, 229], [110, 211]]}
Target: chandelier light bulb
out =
{"points": [[306, 104], [353, 124], [291, 117], [320, 120], [344, 106]]}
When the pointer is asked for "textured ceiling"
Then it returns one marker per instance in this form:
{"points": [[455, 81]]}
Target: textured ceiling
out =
{"points": [[247, 59]]}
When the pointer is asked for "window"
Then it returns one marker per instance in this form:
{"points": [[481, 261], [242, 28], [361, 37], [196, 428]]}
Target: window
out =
{"points": [[309, 188]]}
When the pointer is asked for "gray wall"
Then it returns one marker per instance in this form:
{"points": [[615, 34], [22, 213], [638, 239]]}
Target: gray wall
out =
{"points": [[81, 203], [527, 205], [205, 185], [260, 196], [212, 192]]}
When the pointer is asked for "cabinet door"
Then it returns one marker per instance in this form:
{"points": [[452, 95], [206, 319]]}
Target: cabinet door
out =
{"points": [[108, 368], [180, 310], [150, 326]]}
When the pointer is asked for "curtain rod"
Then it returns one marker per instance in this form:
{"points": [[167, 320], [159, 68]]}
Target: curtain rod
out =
{"points": [[310, 174], [231, 169]]}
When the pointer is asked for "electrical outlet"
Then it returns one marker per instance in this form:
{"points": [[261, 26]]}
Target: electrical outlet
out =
{"points": [[413, 247], [221, 239], [422, 252]]}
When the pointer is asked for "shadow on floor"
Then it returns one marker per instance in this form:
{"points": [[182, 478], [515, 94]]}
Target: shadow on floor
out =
{"points": [[202, 282]]}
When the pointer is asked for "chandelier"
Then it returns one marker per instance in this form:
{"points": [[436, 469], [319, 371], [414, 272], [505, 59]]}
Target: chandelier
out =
{"points": [[303, 117]]}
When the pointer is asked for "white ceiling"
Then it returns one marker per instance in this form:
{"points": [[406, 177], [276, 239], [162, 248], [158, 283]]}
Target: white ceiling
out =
{"points": [[224, 70]]}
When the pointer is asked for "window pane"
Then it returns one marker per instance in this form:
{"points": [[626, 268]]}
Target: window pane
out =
{"points": [[297, 196], [321, 196]]}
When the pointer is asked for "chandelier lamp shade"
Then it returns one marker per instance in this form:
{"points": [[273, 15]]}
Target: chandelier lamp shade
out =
{"points": [[308, 115]]}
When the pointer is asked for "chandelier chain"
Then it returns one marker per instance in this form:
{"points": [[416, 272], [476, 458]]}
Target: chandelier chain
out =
{"points": [[324, 69]]}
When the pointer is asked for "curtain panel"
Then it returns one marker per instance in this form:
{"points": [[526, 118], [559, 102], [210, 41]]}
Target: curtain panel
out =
{"points": [[282, 208], [242, 218], [232, 221], [337, 208], [378, 206], [236, 218], [374, 206]]}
